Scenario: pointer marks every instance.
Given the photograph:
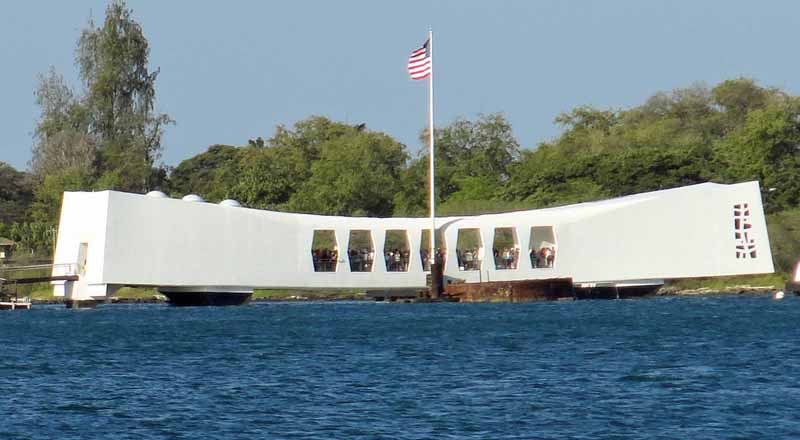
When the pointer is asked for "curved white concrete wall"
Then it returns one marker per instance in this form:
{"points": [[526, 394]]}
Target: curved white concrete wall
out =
{"points": [[137, 240]]}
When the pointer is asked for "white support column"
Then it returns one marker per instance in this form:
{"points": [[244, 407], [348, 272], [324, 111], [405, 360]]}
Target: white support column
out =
{"points": [[378, 244]]}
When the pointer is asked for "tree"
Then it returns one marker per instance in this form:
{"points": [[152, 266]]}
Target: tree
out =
{"points": [[489, 145], [736, 97], [473, 160], [357, 174], [120, 97], [411, 198], [16, 194], [784, 238], [296, 168], [767, 148], [109, 135], [316, 165], [61, 139], [665, 143], [211, 174], [268, 178], [47, 205], [586, 129]]}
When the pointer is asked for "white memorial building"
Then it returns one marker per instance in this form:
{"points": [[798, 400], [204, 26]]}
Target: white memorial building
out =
{"points": [[187, 245]]}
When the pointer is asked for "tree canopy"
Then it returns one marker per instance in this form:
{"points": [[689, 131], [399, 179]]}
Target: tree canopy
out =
{"points": [[736, 131], [107, 136], [16, 194], [316, 166], [119, 99]]}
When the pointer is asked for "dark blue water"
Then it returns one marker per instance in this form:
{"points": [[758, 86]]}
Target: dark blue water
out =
{"points": [[672, 368]]}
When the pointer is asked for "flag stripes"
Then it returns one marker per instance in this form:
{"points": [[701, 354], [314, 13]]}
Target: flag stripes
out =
{"points": [[419, 63]]}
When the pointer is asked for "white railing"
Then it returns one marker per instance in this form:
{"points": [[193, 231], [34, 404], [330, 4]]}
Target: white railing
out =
{"points": [[61, 269]]}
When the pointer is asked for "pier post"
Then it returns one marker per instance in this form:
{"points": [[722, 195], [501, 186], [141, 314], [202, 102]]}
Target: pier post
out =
{"points": [[436, 280]]}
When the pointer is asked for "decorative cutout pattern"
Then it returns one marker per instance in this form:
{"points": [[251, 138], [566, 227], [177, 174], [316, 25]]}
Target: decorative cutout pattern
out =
{"points": [[745, 242]]}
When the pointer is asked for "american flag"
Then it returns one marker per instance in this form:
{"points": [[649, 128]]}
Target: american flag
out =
{"points": [[419, 63]]}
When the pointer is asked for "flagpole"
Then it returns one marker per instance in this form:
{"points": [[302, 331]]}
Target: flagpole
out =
{"points": [[431, 153]]}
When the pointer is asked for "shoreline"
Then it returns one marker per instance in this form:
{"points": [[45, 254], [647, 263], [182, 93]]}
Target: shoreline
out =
{"points": [[729, 290], [664, 291]]}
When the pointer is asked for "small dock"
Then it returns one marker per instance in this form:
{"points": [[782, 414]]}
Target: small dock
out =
{"points": [[14, 276], [9, 300], [13, 302]]}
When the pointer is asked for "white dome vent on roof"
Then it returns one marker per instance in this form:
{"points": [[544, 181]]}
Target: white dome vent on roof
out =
{"points": [[230, 202], [157, 194], [192, 198]]}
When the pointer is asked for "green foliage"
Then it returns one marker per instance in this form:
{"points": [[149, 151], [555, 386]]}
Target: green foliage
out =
{"points": [[49, 194], [739, 96], [425, 239], [316, 166], [120, 97], [784, 237], [503, 238], [16, 194], [766, 147], [479, 206], [360, 240], [356, 174], [32, 239], [308, 295], [729, 284], [411, 198], [211, 174], [734, 132], [61, 138], [468, 239], [324, 239], [108, 136], [473, 161], [397, 239], [269, 176]]}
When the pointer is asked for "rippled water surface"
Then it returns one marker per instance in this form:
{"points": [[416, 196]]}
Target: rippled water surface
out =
{"points": [[679, 368]]}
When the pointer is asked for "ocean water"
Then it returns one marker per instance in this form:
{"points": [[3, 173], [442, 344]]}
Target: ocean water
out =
{"points": [[713, 367]]}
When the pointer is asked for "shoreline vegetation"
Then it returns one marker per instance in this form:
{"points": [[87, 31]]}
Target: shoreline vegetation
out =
{"points": [[738, 285]]}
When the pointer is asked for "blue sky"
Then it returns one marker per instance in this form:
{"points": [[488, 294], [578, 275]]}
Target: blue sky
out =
{"points": [[233, 70]]}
